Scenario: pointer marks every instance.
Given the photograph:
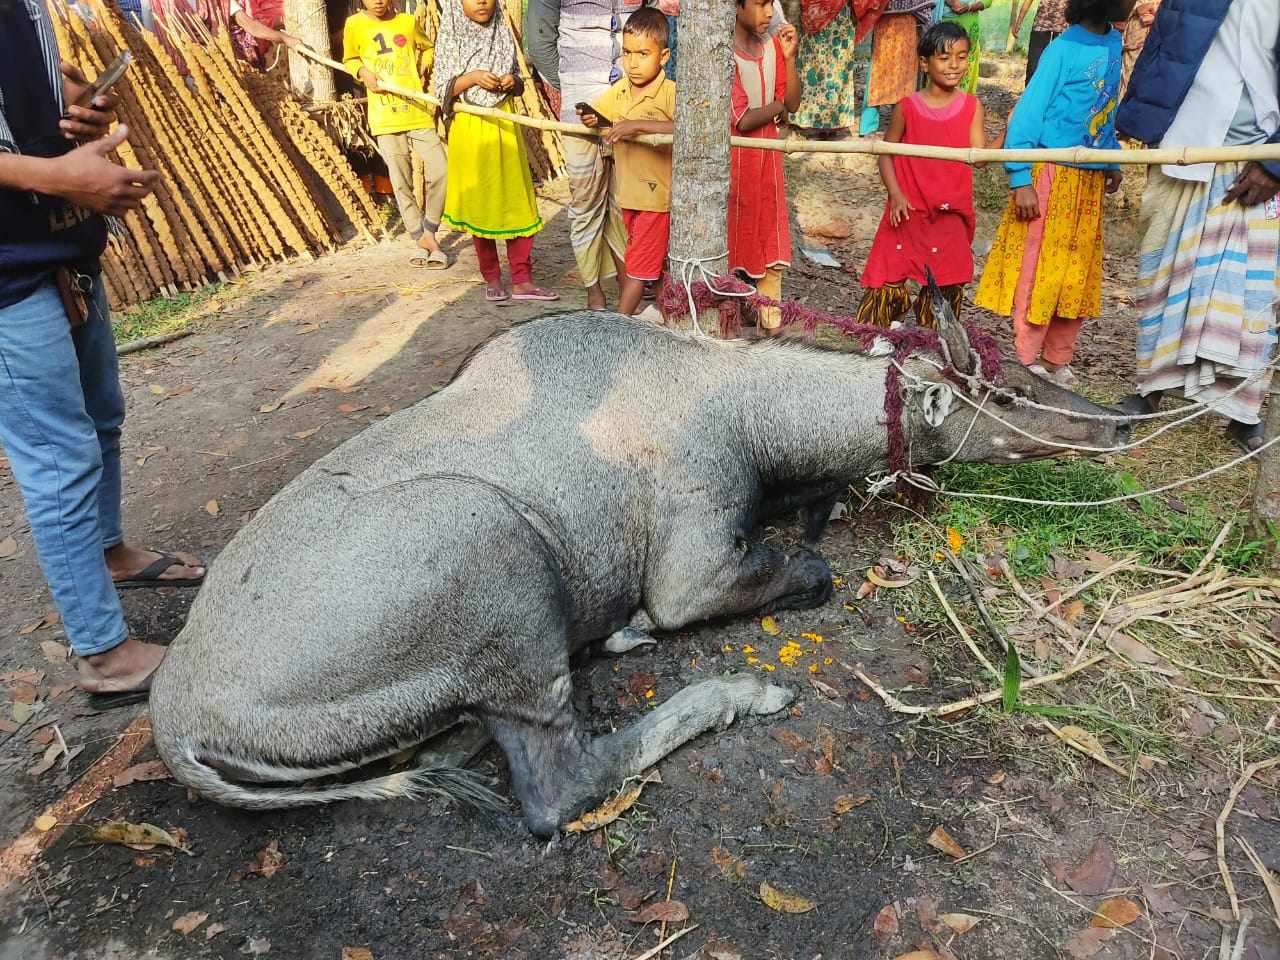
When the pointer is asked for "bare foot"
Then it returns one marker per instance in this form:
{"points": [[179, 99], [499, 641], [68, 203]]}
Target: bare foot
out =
{"points": [[125, 562], [595, 297], [124, 668]]}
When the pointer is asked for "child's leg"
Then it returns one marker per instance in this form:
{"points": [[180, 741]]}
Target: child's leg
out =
{"points": [[487, 254], [1028, 340], [1060, 341], [520, 262], [770, 285], [648, 233], [881, 306], [426, 144], [394, 148]]}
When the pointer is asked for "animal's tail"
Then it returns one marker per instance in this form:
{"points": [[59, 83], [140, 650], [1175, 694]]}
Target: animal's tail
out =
{"points": [[456, 783]]}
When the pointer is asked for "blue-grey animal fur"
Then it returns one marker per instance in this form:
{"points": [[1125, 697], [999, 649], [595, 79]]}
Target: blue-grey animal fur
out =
{"points": [[585, 476]]}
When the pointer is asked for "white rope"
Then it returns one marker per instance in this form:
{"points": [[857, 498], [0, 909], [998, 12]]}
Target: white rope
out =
{"points": [[690, 265], [921, 482], [918, 382]]}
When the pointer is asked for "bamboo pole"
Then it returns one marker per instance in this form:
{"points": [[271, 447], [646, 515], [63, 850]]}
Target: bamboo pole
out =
{"points": [[1183, 156]]}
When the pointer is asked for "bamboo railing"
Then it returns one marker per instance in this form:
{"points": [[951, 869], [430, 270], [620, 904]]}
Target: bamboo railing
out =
{"points": [[1179, 157]]}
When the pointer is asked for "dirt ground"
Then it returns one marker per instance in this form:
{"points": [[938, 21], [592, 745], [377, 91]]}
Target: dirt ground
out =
{"points": [[834, 803]]}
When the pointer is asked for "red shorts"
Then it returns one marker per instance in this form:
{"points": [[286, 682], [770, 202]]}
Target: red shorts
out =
{"points": [[647, 233]]}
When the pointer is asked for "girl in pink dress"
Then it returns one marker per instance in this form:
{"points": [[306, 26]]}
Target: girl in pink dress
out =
{"points": [[765, 86], [928, 219]]}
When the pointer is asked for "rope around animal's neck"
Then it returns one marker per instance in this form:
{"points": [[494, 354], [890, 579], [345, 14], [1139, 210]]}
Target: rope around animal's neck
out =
{"points": [[927, 484]]}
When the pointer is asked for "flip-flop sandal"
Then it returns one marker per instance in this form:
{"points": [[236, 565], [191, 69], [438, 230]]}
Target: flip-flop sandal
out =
{"points": [[496, 295], [537, 293], [101, 702], [150, 575], [435, 260]]}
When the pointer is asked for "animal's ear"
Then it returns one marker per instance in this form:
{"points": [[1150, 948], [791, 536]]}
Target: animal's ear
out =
{"points": [[951, 330]]}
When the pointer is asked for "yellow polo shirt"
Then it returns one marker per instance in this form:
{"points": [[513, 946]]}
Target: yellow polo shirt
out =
{"points": [[391, 48], [641, 173]]}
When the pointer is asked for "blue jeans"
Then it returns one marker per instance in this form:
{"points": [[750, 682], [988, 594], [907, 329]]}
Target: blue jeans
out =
{"points": [[60, 414]]}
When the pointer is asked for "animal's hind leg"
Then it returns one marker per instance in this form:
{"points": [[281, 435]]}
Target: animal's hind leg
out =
{"points": [[558, 771]]}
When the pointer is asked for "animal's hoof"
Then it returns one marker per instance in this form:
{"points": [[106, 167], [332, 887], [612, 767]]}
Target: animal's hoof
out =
{"points": [[628, 638]]}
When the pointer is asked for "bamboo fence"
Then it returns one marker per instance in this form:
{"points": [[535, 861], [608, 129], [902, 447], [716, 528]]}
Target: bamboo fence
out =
{"points": [[247, 176], [1179, 157]]}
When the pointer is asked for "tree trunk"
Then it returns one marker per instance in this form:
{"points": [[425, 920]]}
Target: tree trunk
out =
{"points": [[309, 22], [1265, 517], [700, 154]]}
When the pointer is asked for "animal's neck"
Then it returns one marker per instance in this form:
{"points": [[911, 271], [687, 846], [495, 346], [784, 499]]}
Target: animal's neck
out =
{"points": [[812, 416]]}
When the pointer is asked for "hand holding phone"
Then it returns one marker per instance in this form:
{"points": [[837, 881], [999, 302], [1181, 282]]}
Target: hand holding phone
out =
{"points": [[90, 106], [597, 119], [107, 79]]}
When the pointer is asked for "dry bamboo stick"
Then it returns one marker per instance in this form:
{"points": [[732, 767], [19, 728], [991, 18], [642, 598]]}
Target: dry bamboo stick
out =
{"points": [[1220, 828], [944, 709], [1076, 591], [1178, 157]]}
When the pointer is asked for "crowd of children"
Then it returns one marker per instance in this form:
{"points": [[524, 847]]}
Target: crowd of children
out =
{"points": [[1044, 269]]}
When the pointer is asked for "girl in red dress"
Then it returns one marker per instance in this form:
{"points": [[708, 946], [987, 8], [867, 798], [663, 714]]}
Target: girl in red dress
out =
{"points": [[929, 219], [766, 85]]}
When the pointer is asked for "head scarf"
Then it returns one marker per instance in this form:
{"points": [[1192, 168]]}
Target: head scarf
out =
{"points": [[463, 45]]}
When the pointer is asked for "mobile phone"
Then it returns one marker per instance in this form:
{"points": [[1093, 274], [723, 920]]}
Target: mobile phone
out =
{"points": [[107, 79], [601, 119]]}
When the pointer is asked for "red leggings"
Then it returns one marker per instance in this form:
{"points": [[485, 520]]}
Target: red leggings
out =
{"points": [[518, 258]]}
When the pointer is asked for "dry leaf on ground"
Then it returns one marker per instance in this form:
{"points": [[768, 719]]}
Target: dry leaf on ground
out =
{"points": [[53, 651], [51, 755], [212, 508], [304, 434], [919, 955], [847, 801], [139, 772], [942, 841], [784, 903], [611, 810], [352, 407], [770, 626], [664, 911], [8, 548], [357, 953], [1093, 876], [1086, 943], [45, 822], [790, 738], [268, 861], [189, 921], [730, 866], [139, 836], [1117, 912], [1160, 899], [960, 923], [885, 926], [213, 929], [1083, 739]]}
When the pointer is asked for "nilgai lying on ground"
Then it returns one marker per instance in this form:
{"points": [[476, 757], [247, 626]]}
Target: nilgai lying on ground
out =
{"points": [[585, 476]]}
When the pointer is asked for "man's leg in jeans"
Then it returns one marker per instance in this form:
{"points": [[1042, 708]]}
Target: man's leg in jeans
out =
{"points": [[56, 456], [104, 403], [426, 144], [394, 148]]}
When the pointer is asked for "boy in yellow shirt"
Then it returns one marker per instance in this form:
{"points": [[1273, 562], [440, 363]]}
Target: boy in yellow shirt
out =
{"points": [[380, 43], [643, 101]]}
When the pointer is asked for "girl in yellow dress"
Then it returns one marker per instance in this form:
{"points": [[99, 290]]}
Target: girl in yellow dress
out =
{"points": [[490, 190]]}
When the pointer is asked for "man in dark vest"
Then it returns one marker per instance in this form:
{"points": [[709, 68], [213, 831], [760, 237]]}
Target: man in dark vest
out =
{"points": [[61, 406], [1208, 76]]}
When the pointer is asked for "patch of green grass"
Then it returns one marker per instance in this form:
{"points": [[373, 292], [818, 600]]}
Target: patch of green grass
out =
{"points": [[162, 315], [1159, 534]]}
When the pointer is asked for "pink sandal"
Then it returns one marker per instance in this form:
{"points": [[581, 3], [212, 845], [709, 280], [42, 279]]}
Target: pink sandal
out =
{"points": [[537, 293], [496, 294]]}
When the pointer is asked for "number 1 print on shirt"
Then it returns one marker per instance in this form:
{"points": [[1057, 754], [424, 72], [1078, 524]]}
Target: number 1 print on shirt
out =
{"points": [[382, 44]]}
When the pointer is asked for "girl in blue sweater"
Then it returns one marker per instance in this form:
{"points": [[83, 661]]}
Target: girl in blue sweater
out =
{"points": [[1045, 267]]}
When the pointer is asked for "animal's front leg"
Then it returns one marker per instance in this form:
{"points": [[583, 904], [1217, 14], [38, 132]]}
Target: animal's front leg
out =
{"points": [[558, 772], [741, 579]]}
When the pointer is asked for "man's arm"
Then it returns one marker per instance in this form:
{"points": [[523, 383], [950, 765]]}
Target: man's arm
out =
{"points": [[260, 31], [84, 176], [542, 39]]}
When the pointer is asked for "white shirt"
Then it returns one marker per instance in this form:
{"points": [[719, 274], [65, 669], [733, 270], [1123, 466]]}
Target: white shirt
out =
{"points": [[1243, 53]]}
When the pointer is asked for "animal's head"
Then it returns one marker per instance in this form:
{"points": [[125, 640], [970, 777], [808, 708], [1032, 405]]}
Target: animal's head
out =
{"points": [[983, 425]]}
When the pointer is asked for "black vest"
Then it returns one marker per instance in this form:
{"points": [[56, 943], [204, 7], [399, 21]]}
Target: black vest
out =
{"points": [[37, 232]]}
